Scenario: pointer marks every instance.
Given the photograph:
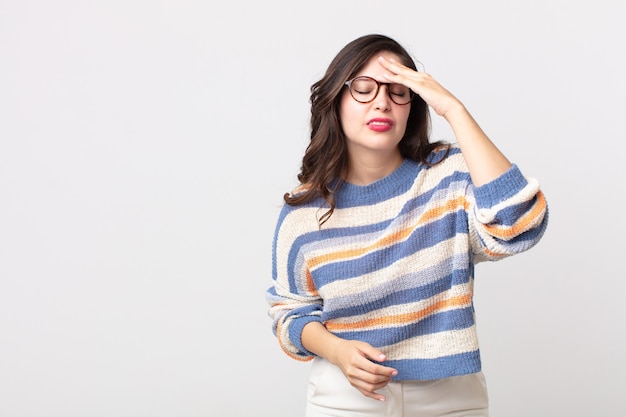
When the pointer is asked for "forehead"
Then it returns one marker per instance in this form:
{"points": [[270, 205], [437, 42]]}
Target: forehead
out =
{"points": [[373, 68]]}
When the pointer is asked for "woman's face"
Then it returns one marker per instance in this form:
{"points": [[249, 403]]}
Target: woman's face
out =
{"points": [[375, 127]]}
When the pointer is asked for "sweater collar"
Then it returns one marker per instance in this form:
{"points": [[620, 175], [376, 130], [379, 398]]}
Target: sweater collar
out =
{"points": [[394, 184]]}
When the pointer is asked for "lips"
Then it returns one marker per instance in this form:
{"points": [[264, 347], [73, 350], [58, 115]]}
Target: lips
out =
{"points": [[380, 124]]}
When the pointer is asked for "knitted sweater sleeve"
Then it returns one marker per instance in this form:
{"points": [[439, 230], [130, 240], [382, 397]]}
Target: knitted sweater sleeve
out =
{"points": [[509, 216], [293, 300]]}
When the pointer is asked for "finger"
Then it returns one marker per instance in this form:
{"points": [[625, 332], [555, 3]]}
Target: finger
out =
{"points": [[373, 366], [376, 373], [376, 376], [367, 381], [391, 63], [369, 390], [396, 67], [414, 80], [374, 395], [385, 372]]}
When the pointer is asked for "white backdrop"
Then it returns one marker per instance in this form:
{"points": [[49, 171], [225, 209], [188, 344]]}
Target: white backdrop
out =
{"points": [[144, 150]]}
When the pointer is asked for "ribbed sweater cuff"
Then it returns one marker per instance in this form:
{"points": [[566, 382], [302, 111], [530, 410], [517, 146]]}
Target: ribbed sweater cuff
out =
{"points": [[295, 332]]}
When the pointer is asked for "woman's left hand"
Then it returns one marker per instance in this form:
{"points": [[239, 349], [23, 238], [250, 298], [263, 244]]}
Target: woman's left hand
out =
{"points": [[437, 97]]}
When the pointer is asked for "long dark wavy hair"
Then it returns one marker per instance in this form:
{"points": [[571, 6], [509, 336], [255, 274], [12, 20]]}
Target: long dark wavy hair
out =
{"points": [[325, 161]]}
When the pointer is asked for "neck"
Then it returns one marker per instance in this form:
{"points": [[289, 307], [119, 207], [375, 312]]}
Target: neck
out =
{"points": [[366, 170]]}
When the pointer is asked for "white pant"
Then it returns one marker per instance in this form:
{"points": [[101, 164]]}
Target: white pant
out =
{"points": [[330, 394]]}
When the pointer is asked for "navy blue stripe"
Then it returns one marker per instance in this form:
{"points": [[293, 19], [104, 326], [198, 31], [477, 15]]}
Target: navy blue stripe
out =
{"points": [[509, 215], [443, 367]]}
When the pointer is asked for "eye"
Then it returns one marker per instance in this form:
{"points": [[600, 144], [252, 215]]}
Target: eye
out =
{"points": [[399, 90], [363, 86]]}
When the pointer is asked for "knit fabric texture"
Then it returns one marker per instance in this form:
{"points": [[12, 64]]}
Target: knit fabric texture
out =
{"points": [[394, 264]]}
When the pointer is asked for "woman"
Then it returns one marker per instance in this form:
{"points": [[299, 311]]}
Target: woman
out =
{"points": [[374, 253]]}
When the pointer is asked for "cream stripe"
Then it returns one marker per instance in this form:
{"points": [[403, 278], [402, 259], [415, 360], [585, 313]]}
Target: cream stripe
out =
{"points": [[432, 346]]}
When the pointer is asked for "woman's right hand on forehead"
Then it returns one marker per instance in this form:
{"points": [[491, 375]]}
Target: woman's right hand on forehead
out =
{"points": [[423, 84]]}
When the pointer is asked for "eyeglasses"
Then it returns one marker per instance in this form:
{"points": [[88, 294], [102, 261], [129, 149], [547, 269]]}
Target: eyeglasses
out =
{"points": [[365, 89]]}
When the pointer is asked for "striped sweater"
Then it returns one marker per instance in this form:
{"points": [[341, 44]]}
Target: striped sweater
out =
{"points": [[394, 264]]}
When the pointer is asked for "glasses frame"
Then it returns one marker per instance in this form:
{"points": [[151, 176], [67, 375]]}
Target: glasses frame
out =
{"points": [[378, 84]]}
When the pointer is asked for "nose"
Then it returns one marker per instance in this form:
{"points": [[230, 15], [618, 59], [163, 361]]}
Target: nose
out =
{"points": [[382, 101]]}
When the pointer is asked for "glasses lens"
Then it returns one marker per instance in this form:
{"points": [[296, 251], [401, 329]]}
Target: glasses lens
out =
{"points": [[364, 90], [400, 94]]}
